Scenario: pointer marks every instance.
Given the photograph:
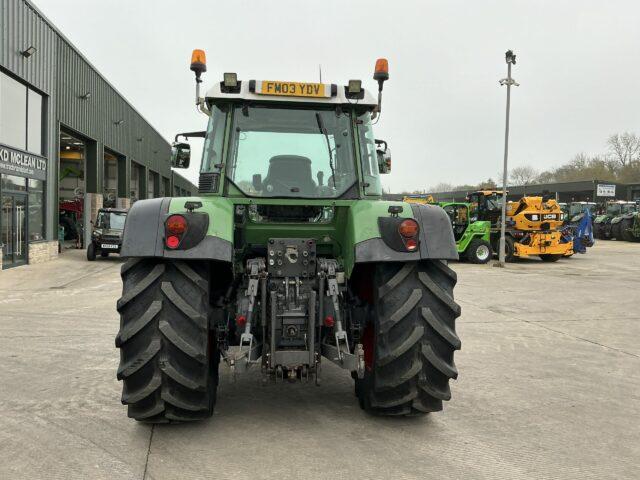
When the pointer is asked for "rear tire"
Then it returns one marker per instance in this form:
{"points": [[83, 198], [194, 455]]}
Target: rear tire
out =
{"points": [[550, 257], [616, 230], [478, 251], [168, 356], [410, 340], [91, 252], [625, 229]]}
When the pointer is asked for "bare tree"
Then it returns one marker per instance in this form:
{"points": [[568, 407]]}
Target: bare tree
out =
{"points": [[524, 175], [488, 184], [441, 187], [624, 148]]}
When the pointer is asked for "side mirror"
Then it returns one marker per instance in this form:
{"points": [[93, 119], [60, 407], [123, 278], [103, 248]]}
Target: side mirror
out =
{"points": [[256, 181], [384, 160], [180, 155]]}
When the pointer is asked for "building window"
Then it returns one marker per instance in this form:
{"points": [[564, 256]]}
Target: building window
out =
{"points": [[34, 122], [20, 115], [36, 210], [14, 183], [13, 112]]}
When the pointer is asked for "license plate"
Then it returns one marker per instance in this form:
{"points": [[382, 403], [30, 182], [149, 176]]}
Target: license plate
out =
{"points": [[293, 89], [108, 246]]}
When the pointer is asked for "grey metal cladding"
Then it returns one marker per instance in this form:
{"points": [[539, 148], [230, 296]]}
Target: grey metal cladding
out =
{"points": [[144, 236], [375, 250], [436, 240], [211, 248], [436, 233], [142, 227]]}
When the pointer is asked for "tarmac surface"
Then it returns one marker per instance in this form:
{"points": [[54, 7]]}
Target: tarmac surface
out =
{"points": [[549, 388]]}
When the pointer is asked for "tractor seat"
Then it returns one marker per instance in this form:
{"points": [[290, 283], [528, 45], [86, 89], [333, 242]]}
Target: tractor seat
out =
{"points": [[289, 171]]}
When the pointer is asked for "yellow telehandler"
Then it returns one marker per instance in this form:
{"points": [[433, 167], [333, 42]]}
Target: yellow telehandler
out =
{"points": [[533, 225]]}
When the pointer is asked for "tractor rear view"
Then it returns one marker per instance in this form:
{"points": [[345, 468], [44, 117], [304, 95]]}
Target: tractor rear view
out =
{"points": [[533, 225], [287, 258]]}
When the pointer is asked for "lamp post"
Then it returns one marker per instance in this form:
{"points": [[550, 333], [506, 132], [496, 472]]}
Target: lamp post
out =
{"points": [[510, 58]]}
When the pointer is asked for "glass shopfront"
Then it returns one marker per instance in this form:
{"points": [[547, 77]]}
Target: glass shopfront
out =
{"points": [[13, 221], [22, 170]]}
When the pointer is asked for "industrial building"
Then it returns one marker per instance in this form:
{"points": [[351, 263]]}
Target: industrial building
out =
{"points": [[581, 191], [69, 142]]}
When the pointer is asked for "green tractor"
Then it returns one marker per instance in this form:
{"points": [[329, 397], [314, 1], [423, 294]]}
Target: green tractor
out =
{"points": [[287, 258], [632, 231], [627, 225], [473, 239], [575, 211], [616, 220]]}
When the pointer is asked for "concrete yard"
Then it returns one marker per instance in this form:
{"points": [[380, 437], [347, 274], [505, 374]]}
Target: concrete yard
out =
{"points": [[549, 388]]}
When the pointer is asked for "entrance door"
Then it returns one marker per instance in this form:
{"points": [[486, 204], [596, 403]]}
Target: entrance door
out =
{"points": [[13, 228]]}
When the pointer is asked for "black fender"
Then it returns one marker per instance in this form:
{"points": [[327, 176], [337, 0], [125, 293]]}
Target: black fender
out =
{"points": [[436, 240], [144, 236]]}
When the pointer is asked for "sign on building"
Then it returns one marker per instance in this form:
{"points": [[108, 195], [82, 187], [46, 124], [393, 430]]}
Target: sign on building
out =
{"points": [[606, 190], [23, 164]]}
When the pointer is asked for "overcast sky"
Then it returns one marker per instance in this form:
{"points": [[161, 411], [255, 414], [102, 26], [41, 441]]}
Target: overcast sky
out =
{"points": [[443, 110]]}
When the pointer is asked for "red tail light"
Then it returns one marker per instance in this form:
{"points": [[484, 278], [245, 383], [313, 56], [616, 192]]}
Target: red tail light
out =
{"points": [[173, 241], [408, 228], [176, 224], [411, 244], [329, 321]]}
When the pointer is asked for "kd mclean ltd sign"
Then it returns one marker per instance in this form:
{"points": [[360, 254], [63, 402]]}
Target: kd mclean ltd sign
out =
{"points": [[23, 164]]}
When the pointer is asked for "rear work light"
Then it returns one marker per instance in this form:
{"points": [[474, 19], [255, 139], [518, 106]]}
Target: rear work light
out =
{"points": [[176, 224], [175, 227], [408, 230]]}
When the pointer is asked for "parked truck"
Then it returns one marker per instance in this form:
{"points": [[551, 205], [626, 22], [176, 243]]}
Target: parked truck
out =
{"points": [[286, 258]]}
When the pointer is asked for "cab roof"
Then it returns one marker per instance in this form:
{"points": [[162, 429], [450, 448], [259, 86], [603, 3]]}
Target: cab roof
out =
{"points": [[247, 89]]}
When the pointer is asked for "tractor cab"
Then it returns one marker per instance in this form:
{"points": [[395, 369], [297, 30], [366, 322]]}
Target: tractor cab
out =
{"points": [[459, 215], [620, 207], [289, 140], [576, 210], [486, 205]]}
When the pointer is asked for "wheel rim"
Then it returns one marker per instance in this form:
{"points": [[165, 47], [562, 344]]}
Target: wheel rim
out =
{"points": [[482, 252]]}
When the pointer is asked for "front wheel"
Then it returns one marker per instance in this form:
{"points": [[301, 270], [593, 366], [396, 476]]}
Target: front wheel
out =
{"points": [[168, 356], [91, 252], [478, 251], [410, 340]]}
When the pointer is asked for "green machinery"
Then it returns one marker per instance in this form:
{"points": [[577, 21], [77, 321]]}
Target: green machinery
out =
{"points": [[627, 225], [575, 211], [288, 257], [473, 239], [617, 221]]}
